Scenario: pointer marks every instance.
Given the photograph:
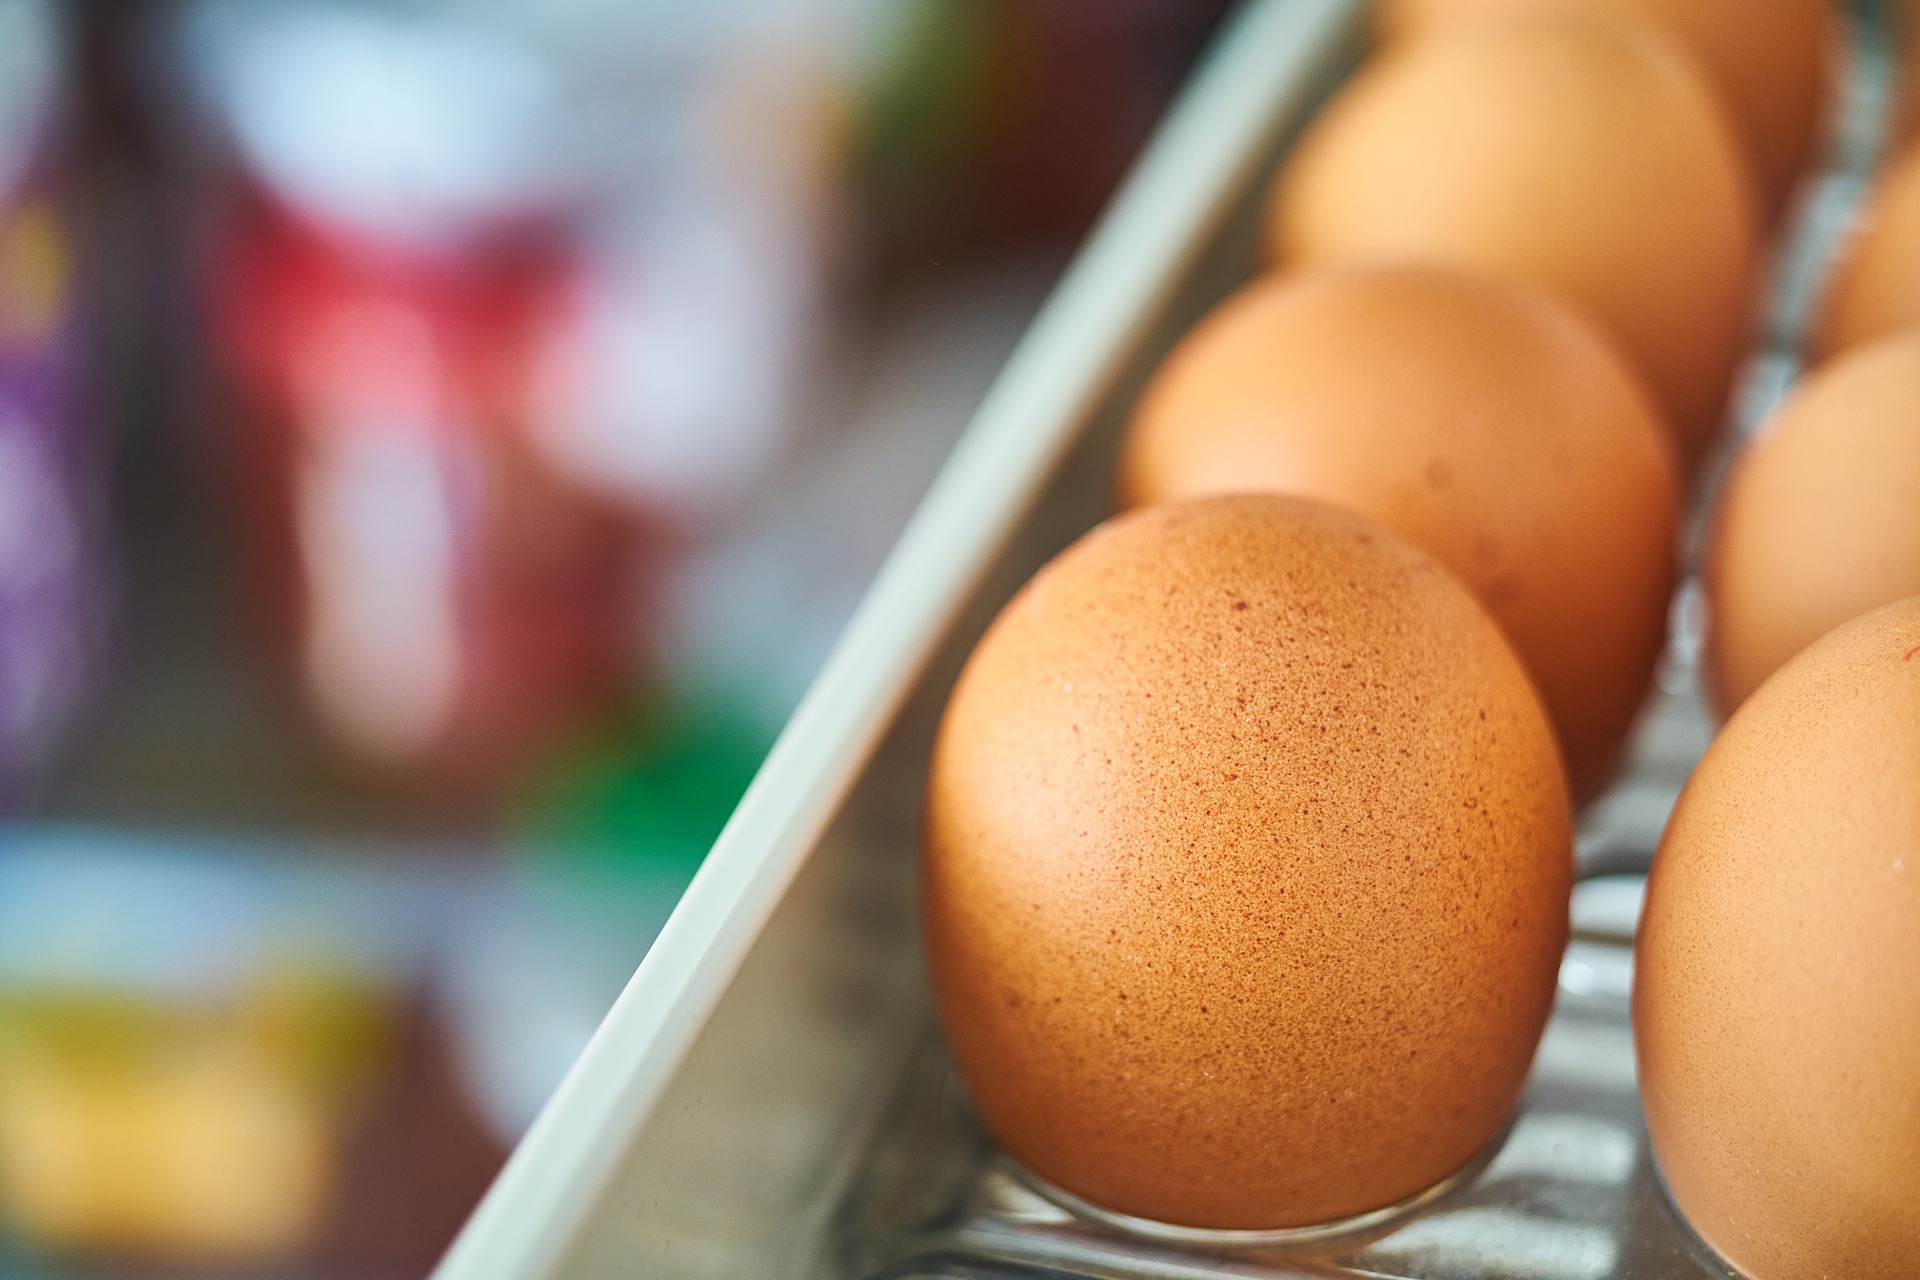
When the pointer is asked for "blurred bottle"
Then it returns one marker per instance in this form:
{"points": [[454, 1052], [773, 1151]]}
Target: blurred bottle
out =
{"points": [[504, 316], [52, 499]]}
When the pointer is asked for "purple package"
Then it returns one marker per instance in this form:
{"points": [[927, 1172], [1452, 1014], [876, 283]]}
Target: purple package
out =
{"points": [[51, 589]]}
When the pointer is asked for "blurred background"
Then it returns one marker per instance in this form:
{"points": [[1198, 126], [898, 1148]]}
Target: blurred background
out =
{"points": [[438, 442]]}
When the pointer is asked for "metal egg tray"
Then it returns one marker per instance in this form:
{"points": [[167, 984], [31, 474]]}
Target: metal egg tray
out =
{"points": [[1569, 1191], [770, 1097]]}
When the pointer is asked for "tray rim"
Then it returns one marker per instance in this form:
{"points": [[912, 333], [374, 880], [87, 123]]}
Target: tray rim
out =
{"points": [[1257, 76]]}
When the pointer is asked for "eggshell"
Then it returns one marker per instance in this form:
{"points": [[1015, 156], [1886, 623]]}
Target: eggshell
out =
{"points": [[1820, 518], [1485, 423], [1777, 997], [1874, 290], [1903, 116], [1576, 153], [1770, 60], [1246, 868]]}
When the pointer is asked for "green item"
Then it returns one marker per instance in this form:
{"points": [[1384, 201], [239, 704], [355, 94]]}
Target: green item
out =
{"points": [[647, 791]]}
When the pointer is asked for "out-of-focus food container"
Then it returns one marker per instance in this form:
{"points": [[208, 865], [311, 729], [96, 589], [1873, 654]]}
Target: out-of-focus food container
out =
{"points": [[502, 319], [187, 1031], [53, 590], [769, 1096]]}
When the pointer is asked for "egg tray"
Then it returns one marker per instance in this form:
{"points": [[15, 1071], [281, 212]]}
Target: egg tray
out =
{"points": [[1569, 1195], [1568, 1192], [770, 1097]]}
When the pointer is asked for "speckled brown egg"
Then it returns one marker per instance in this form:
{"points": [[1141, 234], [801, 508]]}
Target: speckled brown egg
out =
{"points": [[1777, 998], [1569, 151], [1771, 60], [1820, 518], [1246, 868], [1485, 423], [1875, 288]]}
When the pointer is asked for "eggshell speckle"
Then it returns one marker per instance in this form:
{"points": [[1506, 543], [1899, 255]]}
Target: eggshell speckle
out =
{"points": [[1246, 868], [1581, 155], [1820, 518], [1777, 999], [1485, 423]]}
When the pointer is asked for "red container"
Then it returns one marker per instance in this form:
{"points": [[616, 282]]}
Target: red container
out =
{"points": [[447, 602]]}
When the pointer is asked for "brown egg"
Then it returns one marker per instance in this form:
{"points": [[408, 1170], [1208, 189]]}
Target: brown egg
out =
{"points": [[1567, 151], [1485, 423], [1875, 288], [1771, 60], [1246, 869], [1903, 116], [1820, 519], [1777, 998]]}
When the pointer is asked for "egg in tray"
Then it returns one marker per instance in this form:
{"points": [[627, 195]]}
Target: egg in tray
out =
{"points": [[1250, 828]]}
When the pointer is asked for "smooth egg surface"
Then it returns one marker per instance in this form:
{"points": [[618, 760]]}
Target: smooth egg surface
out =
{"points": [[1246, 869], [1777, 997], [1772, 62], [1903, 120], [1875, 288], [1486, 423], [1576, 153], [1819, 521]]}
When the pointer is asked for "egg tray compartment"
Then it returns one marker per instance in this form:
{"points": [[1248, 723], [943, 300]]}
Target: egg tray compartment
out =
{"points": [[1568, 1193], [1570, 1190]]}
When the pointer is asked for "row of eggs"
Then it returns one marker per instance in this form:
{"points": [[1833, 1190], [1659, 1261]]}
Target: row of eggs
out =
{"points": [[1249, 825]]}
